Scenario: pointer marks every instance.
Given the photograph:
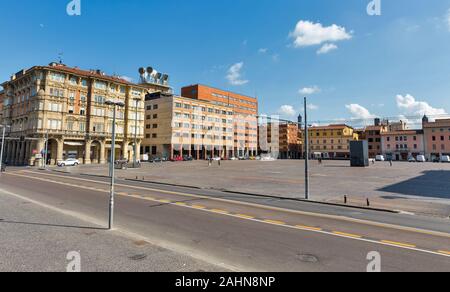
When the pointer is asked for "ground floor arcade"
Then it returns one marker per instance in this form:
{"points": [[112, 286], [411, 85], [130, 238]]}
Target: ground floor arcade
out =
{"points": [[32, 151]]}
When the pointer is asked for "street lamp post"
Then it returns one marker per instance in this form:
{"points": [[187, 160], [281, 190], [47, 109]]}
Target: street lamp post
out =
{"points": [[137, 100], [111, 164], [3, 145], [306, 152]]}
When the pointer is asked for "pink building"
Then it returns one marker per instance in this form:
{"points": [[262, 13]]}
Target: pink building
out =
{"points": [[400, 145], [436, 137]]}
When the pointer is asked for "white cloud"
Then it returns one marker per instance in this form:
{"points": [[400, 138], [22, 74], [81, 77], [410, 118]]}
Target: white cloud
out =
{"points": [[312, 107], [410, 105], [359, 112], [234, 75], [287, 110], [263, 50], [447, 19], [307, 33], [326, 48], [309, 90]]}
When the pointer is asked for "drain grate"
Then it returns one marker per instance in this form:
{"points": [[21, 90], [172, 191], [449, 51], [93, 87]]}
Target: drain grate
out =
{"points": [[308, 258], [138, 257]]}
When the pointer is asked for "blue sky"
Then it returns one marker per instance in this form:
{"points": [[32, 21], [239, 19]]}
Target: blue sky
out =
{"points": [[389, 65]]}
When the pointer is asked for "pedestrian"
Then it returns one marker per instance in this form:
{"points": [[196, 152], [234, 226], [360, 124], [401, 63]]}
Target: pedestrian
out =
{"points": [[209, 161], [220, 161], [390, 162]]}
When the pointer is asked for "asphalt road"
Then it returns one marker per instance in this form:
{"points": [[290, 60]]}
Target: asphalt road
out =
{"points": [[243, 233]]}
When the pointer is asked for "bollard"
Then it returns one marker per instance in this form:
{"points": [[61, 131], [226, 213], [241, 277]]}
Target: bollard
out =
{"points": [[345, 199], [368, 203]]}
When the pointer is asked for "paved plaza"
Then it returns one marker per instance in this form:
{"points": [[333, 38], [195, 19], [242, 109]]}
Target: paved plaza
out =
{"points": [[410, 187]]}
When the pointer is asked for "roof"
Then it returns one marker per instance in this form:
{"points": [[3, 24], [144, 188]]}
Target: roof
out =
{"points": [[404, 132], [331, 127], [224, 90], [83, 73]]}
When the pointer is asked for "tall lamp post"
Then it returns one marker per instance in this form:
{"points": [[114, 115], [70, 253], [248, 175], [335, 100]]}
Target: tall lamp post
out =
{"points": [[3, 145], [306, 152], [137, 100], [113, 158]]}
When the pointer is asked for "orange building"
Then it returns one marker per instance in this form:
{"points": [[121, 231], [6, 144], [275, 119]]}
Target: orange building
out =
{"points": [[245, 110]]}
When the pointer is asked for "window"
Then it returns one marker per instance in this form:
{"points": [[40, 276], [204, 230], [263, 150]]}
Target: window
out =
{"points": [[57, 77], [155, 126], [154, 136], [73, 80], [155, 107], [155, 116], [99, 99], [100, 85], [84, 83]]}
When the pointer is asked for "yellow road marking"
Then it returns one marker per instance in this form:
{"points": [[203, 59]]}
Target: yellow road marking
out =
{"points": [[219, 211], [198, 207], [444, 252], [244, 216], [309, 228], [275, 222], [165, 201], [180, 204], [398, 243], [347, 234]]}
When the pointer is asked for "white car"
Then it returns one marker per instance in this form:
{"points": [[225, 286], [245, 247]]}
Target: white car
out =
{"points": [[69, 162], [380, 158], [445, 159], [421, 158], [217, 159]]}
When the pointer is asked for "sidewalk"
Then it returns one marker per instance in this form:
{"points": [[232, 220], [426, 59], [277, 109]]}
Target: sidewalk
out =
{"points": [[35, 239]]}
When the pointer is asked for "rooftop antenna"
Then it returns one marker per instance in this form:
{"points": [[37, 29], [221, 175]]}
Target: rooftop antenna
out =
{"points": [[60, 54]]}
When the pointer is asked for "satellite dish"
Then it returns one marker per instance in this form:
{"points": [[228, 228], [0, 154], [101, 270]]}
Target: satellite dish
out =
{"points": [[150, 70], [141, 71], [165, 79]]}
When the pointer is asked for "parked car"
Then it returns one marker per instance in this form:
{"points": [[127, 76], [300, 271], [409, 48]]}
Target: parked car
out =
{"points": [[445, 159], [380, 158], [234, 158], [177, 159], [69, 162], [421, 158], [411, 159], [188, 158], [436, 159], [217, 159]]}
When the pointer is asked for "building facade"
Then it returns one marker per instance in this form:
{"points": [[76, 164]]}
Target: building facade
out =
{"points": [[373, 136], [64, 108], [331, 142], [436, 137], [245, 110], [177, 127], [288, 135], [401, 145]]}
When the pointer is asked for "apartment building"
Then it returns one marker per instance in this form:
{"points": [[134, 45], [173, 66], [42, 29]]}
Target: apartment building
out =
{"points": [[373, 136], [331, 142], [436, 137], [2, 96], [67, 106], [288, 135], [401, 145], [245, 110], [177, 126]]}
